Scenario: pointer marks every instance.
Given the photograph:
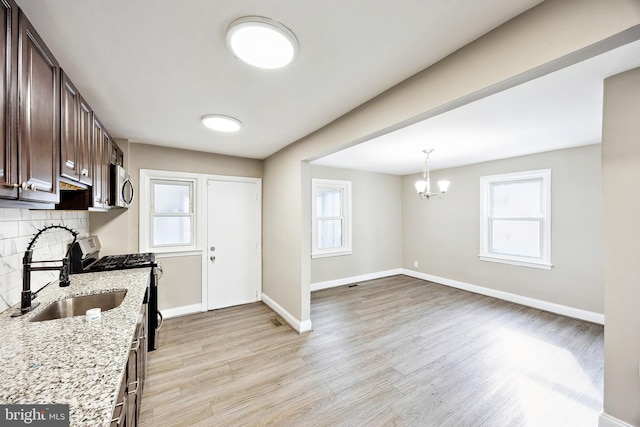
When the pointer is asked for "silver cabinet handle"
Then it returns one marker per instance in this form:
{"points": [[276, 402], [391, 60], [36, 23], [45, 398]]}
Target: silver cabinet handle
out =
{"points": [[131, 385], [212, 258], [32, 187], [26, 186], [84, 172], [123, 411], [70, 164]]}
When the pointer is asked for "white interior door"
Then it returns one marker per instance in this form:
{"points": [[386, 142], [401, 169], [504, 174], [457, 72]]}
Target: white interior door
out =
{"points": [[233, 243]]}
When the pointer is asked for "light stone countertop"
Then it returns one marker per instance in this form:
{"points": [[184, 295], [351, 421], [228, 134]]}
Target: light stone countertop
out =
{"points": [[72, 361]]}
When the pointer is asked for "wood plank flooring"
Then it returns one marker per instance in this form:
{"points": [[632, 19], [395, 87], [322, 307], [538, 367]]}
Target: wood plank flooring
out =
{"points": [[397, 351]]}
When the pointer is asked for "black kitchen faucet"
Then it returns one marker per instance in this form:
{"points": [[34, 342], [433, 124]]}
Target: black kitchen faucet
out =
{"points": [[26, 296]]}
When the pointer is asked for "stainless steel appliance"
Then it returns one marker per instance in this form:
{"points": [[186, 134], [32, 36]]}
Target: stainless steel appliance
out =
{"points": [[85, 258], [122, 191]]}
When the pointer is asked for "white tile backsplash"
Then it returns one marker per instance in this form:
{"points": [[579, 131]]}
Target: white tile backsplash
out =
{"points": [[17, 228]]}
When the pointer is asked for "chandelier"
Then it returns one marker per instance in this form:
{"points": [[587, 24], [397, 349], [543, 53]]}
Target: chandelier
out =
{"points": [[423, 187]]}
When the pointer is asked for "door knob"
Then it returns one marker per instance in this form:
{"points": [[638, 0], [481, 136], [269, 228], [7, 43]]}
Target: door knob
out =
{"points": [[212, 258]]}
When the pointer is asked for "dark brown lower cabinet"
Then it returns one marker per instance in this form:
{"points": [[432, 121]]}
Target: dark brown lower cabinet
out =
{"points": [[127, 409]]}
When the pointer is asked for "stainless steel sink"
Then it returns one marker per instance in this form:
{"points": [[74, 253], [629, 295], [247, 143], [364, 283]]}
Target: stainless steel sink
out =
{"points": [[78, 306]]}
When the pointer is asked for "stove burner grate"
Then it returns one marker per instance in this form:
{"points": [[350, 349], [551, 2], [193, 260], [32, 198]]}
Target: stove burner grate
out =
{"points": [[115, 262]]}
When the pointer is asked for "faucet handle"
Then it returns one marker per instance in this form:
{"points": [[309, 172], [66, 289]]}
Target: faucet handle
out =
{"points": [[64, 273]]}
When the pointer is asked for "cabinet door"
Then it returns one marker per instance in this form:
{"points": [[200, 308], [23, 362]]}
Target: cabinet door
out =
{"points": [[38, 117], [98, 160], [119, 418], [85, 142], [8, 75], [69, 121], [117, 156], [106, 166]]}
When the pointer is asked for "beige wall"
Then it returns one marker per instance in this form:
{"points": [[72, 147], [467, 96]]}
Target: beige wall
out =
{"points": [[286, 243], [179, 285], [182, 284], [376, 207], [443, 234], [537, 42], [621, 232]]}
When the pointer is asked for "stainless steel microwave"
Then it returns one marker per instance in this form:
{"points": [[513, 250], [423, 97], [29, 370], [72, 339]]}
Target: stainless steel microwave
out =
{"points": [[122, 192]]}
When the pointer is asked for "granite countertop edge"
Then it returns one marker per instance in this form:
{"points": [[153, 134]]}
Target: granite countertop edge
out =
{"points": [[70, 360]]}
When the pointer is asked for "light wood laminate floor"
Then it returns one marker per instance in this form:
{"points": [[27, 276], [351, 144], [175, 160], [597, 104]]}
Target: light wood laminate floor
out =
{"points": [[389, 352]]}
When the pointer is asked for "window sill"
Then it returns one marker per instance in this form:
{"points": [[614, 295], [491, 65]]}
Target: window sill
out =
{"points": [[173, 252], [331, 254], [539, 265]]}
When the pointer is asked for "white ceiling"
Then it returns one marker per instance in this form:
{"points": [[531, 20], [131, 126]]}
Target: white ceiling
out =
{"points": [[560, 110], [152, 68]]}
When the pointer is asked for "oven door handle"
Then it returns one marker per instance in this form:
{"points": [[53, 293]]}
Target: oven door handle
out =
{"points": [[161, 320]]}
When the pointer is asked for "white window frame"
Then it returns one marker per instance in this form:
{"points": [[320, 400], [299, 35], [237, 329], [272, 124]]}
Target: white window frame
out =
{"points": [[544, 262], [146, 214], [345, 189]]}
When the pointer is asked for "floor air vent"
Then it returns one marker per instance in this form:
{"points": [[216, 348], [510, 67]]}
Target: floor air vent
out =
{"points": [[276, 322]]}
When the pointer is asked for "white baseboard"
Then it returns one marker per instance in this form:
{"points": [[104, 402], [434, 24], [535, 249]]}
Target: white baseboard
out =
{"points": [[297, 325], [564, 310], [607, 420], [168, 313], [348, 280]]}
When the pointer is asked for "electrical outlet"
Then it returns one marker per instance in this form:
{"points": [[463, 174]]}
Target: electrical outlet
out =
{"points": [[416, 264]]}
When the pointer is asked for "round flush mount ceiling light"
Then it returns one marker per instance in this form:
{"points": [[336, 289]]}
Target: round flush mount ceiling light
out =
{"points": [[261, 42], [221, 123]]}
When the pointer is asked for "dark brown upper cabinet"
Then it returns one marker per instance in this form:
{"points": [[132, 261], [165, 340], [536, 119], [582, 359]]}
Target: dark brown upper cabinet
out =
{"points": [[76, 136], [48, 132], [85, 138], [117, 156], [8, 87], [38, 117], [105, 167], [102, 153]]}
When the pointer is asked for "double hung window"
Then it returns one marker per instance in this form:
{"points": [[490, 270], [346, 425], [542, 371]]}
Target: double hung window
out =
{"points": [[171, 213], [515, 218], [331, 207], [168, 211]]}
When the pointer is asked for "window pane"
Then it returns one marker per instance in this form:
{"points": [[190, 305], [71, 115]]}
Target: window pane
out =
{"points": [[329, 233], [328, 202], [171, 230], [517, 198], [171, 198], [520, 238]]}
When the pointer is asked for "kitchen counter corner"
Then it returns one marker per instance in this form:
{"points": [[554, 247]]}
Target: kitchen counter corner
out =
{"points": [[69, 360]]}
